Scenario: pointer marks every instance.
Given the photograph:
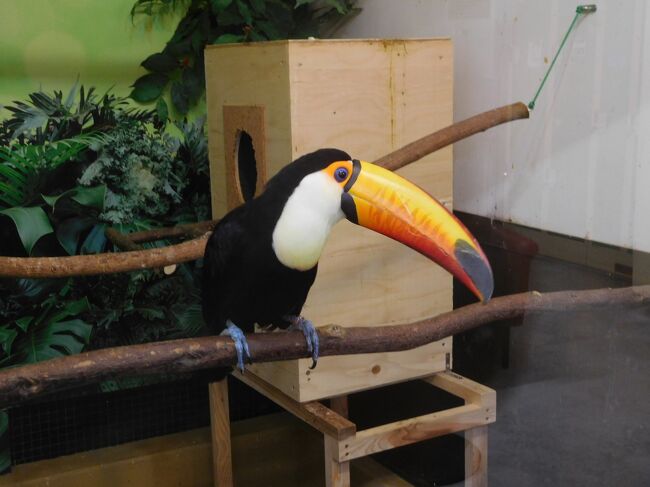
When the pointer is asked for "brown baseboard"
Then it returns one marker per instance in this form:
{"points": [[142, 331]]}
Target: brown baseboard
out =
{"points": [[274, 450], [620, 261]]}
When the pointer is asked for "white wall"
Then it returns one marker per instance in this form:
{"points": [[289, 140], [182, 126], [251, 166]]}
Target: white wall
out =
{"points": [[581, 165]]}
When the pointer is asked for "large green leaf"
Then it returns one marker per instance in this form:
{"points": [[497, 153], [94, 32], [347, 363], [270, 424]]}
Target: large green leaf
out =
{"points": [[162, 112], [95, 241], [4, 422], [23, 322], [220, 5], [71, 308], [259, 6], [180, 97], [228, 39], [52, 334], [189, 319], [87, 196], [228, 18], [31, 223], [160, 63], [7, 337], [193, 84], [245, 12], [69, 231], [5, 451], [55, 340], [149, 87]]}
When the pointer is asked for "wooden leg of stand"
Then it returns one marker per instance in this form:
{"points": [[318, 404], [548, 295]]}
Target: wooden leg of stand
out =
{"points": [[339, 405], [220, 422], [476, 451], [336, 474]]}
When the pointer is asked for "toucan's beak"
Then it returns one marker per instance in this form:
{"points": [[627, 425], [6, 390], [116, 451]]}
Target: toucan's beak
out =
{"points": [[382, 201]]}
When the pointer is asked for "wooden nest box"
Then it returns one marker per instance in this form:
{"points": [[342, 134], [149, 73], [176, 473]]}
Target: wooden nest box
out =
{"points": [[269, 103]]}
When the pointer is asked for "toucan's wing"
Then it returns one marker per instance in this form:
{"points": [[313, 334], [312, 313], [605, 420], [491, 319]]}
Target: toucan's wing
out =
{"points": [[220, 266]]}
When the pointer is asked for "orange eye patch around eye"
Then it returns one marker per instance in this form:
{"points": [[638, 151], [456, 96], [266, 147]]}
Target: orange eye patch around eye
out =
{"points": [[339, 171]]}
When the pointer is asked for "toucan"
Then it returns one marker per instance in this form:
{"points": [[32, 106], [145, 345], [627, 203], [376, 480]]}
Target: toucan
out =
{"points": [[262, 257]]}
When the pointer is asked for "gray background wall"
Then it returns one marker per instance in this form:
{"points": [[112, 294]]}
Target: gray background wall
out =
{"points": [[581, 165]]}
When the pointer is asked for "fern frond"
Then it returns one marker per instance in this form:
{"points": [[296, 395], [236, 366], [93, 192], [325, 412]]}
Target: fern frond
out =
{"points": [[21, 164]]}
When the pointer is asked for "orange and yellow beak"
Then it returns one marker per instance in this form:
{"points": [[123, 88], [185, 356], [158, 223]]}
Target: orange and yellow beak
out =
{"points": [[382, 201]]}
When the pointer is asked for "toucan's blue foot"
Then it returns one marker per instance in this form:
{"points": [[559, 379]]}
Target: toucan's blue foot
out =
{"points": [[311, 336], [241, 345]]}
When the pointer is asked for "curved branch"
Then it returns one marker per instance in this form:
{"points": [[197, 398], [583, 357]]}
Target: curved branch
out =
{"points": [[121, 240], [184, 230], [175, 254], [109, 263], [449, 135], [35, 380]]}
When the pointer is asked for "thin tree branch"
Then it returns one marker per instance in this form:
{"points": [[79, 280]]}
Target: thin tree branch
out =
{"points": [[184, 230], [121, 240], [108, 263], [77, 265], [449, 135], [35, 380]]}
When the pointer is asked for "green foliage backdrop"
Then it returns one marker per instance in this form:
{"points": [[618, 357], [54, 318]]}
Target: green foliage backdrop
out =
{"points": [[48, 44], [75, 161]]}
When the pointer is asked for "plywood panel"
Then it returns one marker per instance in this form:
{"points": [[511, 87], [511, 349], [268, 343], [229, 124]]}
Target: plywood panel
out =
{"points": [[236, 121], [367, 97], [245, 75], [272, 451], [341, 375]]}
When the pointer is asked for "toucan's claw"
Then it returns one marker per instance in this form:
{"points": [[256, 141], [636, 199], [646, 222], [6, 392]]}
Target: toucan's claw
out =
{"points": [[311, 336], [241, 345]]}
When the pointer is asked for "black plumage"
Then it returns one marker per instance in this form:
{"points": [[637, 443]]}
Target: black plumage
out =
{"points": [[243, 280]]}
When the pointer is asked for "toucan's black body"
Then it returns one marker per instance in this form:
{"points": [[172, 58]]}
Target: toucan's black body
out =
{"points": [[243, 279], [262, 257]]}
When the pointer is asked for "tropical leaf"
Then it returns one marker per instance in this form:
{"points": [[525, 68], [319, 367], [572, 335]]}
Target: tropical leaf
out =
{"points": [[51, 334], [205, 22], [228, 39], [5, 451], [7, 337], [160, 63], [149, 87], [87, 196], [69, 231], [150, 313], [55, 340], [31, 223], [24, 322], [159, 8], [189, 320], [95, 241], [180, 97], [71, 308], [22, 164]]}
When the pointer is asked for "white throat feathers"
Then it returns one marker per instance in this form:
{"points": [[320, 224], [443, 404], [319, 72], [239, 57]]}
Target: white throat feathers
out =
{"points": [[306, 220]]}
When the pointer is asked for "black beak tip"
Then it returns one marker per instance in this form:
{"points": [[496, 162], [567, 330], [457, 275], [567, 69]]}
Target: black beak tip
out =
{"points": [[478, 270]]}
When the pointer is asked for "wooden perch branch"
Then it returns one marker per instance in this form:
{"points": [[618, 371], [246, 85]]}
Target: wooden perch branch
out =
{"points": [[185, 230], [83, 265], [109, 263], [449, 135], [35, 380], [120, 240]]}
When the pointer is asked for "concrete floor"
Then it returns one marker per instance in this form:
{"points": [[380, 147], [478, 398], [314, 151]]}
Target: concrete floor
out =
{"points": [[574, 405]]}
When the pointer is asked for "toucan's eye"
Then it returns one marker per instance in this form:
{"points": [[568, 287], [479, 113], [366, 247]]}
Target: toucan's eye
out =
{"points": [[341, 174]]}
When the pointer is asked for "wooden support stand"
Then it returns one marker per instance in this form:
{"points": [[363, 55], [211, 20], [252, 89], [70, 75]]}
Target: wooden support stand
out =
{"points": [[344, 443]]}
